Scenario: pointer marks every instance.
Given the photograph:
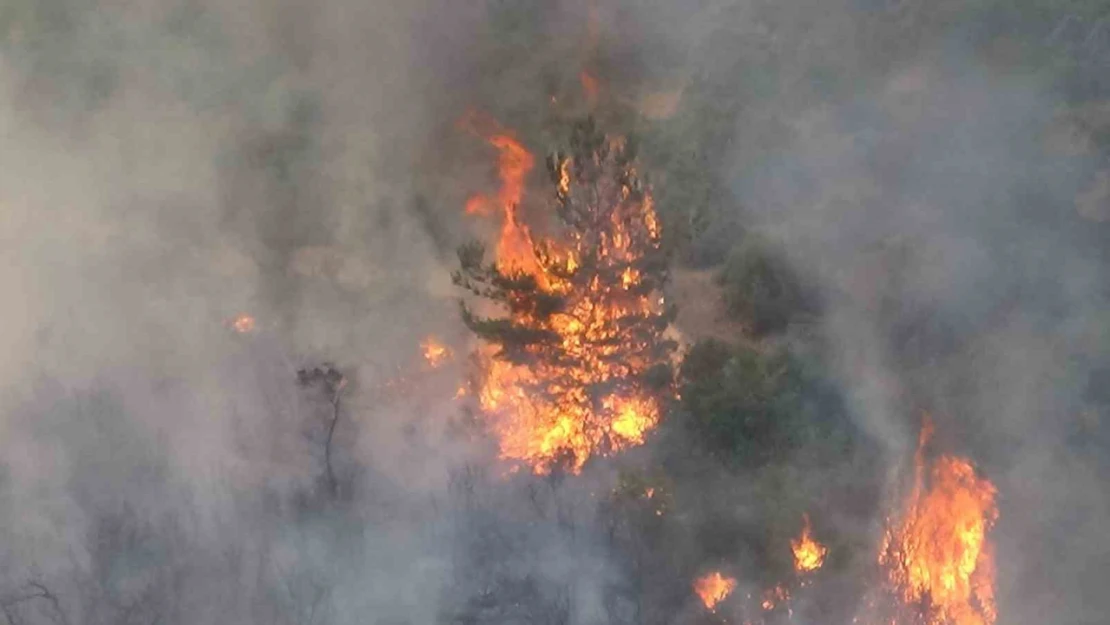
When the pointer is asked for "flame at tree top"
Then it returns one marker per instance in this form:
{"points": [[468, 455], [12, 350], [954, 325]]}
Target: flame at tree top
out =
{"points": [[713, 588], [809, 554], [514, 163], [939, 555], [570, 370]]}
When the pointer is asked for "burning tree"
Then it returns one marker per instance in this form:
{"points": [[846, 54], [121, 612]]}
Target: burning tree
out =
{"points": [[938, 556], [577, 363]]}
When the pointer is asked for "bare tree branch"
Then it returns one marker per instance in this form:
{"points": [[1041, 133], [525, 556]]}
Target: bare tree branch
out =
{"points": [[332, 382], [333, 484]]}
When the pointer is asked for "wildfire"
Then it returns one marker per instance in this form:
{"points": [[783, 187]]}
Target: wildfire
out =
{"points": [[713, 588], [586, 322], [809, 554], [939, 555], [435, 353]]}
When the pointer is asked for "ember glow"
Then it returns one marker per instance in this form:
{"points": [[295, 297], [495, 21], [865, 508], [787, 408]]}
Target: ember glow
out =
{"points": [[938, 555], [589, 86], [774, 597], [713, 588], [809, 554], [435, 353], [243, 324], [592, 318]]}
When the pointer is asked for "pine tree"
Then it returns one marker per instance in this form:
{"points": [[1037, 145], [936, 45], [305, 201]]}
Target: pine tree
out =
{"points": [[586, 320]]}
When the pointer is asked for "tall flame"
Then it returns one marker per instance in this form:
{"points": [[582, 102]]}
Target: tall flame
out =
{"points": [[514, 247], [939, 555], [713, 588], [550, 411], [809, 554]]}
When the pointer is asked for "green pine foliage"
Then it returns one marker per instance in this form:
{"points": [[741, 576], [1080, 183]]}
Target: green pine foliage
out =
{"points": [[752, 409]]}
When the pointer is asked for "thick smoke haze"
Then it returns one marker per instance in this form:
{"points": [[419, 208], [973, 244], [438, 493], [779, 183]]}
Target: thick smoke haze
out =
{"points": [[167, 166]]}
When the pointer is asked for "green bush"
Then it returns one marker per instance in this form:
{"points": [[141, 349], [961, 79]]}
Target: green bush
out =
{"points": [[752, 408], [760, 289]]}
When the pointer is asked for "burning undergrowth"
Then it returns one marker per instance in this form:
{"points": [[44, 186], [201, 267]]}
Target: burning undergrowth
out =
{"points": [[933, 564]]}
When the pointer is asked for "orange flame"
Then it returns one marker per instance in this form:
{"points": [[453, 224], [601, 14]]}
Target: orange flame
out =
{"points": [[713, 588], [576, 423], [435, 353], [809, 554], [514, 247], [939, 555]]}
